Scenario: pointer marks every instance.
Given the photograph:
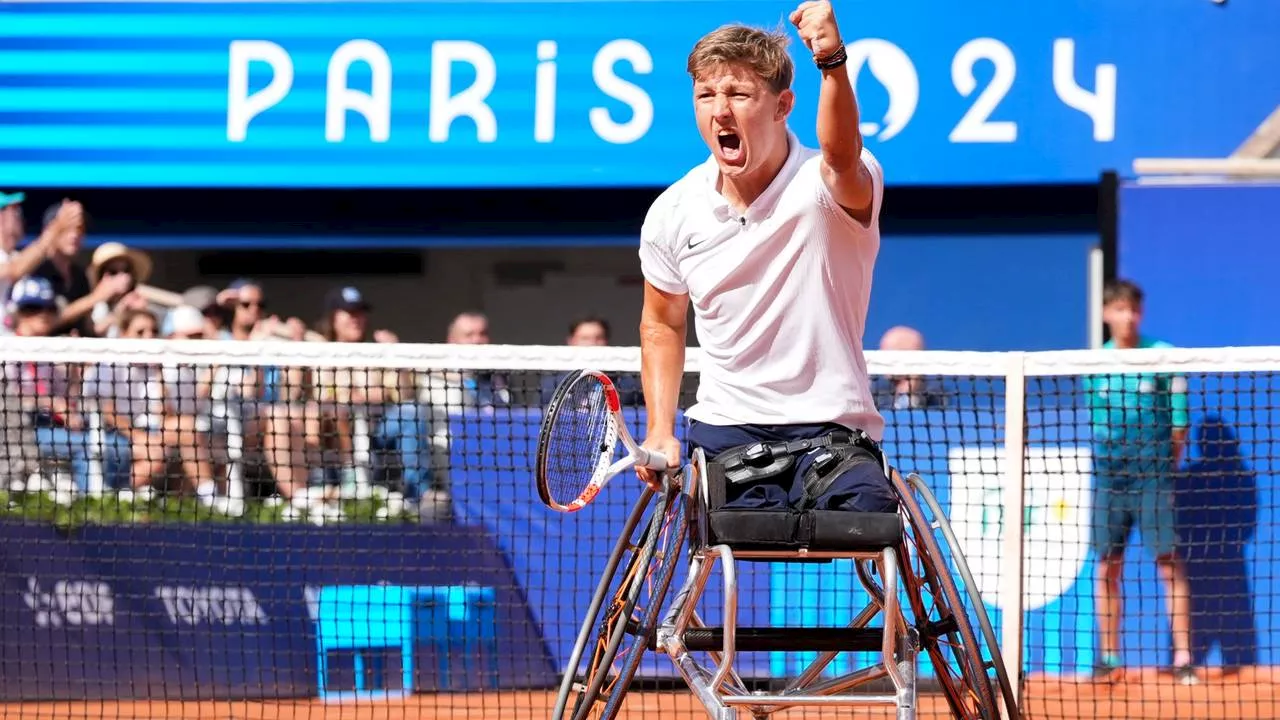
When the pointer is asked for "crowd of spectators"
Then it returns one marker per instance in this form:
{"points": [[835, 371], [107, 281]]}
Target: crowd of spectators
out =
{"points": [[178, 428]]}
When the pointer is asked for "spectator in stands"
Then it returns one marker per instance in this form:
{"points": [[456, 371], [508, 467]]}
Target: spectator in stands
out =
{"points": [[1139, 428], [65, 230], [18, 438], [589, 331], [906, 392], [399, 425], [203, 299], [199, 391], [593, 331], [271, 404], [12, 229], [109, 261], [187, 323], [478, 388], [134, 402], [49, 394], [55, 248], [246, 303], [11, 233]]}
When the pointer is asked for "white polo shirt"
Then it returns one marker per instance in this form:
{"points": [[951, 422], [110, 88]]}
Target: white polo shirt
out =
{"points": [[780, 294]]}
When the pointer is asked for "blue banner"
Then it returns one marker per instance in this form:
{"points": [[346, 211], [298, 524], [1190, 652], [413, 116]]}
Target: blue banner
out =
{"points": [[232, 612], [524, 94]]}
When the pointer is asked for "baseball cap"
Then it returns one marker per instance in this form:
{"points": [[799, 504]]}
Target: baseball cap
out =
{"points": [[346, 298], [7, 199], [33, 292]]}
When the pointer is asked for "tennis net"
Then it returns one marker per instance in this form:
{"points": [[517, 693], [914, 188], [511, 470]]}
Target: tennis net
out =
{"points": [[279, 526]]}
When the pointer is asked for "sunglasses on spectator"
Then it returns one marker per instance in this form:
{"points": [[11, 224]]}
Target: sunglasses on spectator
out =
{"points": [[260, 304], [120, 269]]}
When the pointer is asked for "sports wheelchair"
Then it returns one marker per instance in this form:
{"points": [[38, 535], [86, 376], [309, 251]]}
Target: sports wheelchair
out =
{"points": [[895, 555]]}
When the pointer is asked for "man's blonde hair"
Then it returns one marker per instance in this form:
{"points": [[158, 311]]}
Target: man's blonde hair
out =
{"points": [[764, 51]]}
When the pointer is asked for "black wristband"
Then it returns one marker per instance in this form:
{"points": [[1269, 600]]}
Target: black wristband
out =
{"points": [[832, 60]]}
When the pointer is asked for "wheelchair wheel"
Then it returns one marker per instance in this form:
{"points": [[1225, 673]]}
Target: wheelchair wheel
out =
{"points": [[945, 631], [617, 609], [644, 620], [995, 662]]}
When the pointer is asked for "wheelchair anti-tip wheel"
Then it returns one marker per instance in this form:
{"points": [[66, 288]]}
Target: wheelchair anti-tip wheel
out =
{"points": [[625, 609], [942, 620]]}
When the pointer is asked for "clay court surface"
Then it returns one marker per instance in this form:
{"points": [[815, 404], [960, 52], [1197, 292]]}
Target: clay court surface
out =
{"points": [[1251, 693]]}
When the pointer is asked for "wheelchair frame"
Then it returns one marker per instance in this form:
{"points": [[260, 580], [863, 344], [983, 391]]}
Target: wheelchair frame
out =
{"points": [[965, 675]]}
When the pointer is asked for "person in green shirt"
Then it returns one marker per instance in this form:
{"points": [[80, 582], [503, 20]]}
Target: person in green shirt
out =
{"points": [[1139, 425]]}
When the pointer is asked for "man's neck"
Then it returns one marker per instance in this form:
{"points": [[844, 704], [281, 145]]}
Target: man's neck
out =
{"points": [[1128, 343], [743, 190], [240, 333]]}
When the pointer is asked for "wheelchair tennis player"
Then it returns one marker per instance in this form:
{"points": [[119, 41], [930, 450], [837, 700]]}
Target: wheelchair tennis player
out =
{"points": [[774, 245]]}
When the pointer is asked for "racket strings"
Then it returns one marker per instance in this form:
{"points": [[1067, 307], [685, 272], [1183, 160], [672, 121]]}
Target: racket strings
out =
{"points": [[581, 435]]}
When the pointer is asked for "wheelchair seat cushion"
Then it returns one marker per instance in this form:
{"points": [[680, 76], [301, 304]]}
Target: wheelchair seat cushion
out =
{"points": [[815, 530]]}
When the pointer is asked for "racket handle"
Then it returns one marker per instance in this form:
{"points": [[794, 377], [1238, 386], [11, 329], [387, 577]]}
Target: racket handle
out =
{"points": [[651, 459]]}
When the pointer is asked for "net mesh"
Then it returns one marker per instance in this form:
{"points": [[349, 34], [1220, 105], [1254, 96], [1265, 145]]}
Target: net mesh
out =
{"points": [[260, 530]]}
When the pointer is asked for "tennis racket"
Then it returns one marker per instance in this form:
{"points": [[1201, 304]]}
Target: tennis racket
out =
{"points": [[578, 440]]}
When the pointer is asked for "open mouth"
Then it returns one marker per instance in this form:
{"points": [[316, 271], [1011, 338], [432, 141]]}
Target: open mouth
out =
{"points": [[730, 145]]}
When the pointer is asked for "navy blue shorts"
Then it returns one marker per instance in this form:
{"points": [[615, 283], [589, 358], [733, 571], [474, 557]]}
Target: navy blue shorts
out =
{"points": [[862, 488]]}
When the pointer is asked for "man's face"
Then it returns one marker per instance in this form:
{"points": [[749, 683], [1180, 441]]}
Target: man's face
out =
{"points": [[470, 330], [1123, 317], [70, 241], [11, 227], [741, 120], [250, 304], [350, 325], [589, 334], [33, 322]]}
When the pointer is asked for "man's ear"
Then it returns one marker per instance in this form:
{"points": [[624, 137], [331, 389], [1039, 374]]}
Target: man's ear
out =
{"points": [[786, 101]]}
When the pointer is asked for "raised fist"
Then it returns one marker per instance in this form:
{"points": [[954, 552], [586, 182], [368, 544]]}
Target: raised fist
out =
{"points": [[815, 22]]}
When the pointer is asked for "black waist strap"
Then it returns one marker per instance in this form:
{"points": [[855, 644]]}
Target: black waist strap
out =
{"points": [[762, 460]]}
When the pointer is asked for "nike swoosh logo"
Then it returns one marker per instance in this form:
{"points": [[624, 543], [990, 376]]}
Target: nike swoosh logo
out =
{"points": [[693, 244]]}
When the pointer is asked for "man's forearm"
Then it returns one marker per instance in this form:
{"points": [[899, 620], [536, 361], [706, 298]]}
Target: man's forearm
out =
{"points": [[661, 371], [72, 313], [838, 133], [26, 260]]}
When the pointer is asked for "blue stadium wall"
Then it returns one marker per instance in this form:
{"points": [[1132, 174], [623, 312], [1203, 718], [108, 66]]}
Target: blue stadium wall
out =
{"points": [[1206, 256]]}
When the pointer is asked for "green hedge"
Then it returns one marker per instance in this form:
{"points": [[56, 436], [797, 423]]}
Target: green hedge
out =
{"points": [[112, 510]]}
